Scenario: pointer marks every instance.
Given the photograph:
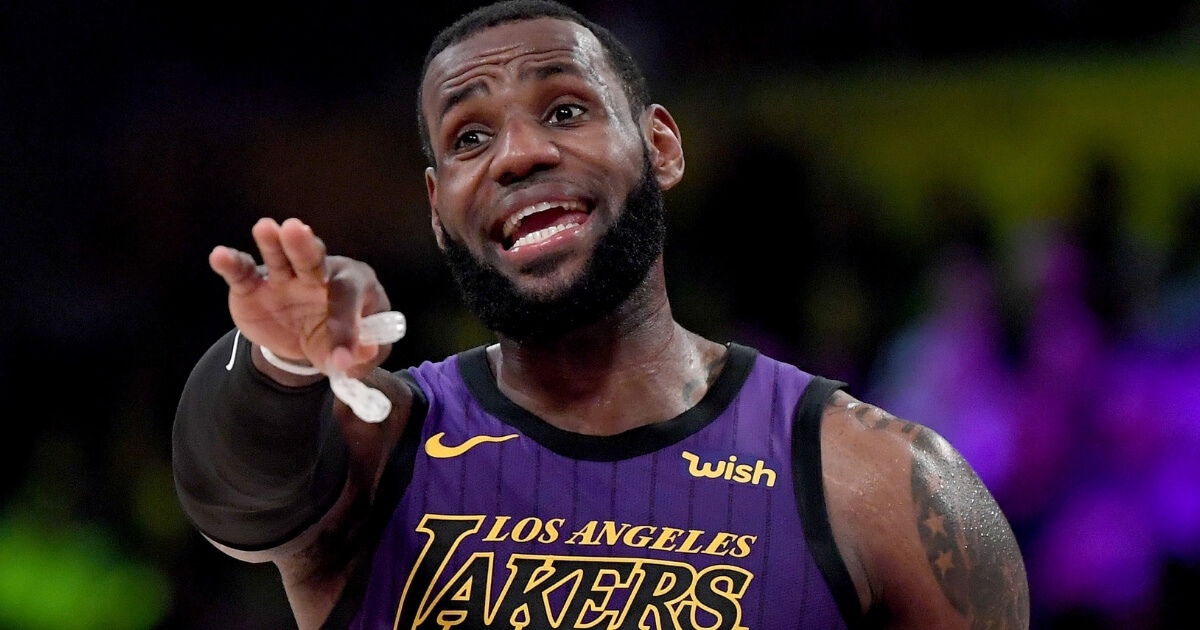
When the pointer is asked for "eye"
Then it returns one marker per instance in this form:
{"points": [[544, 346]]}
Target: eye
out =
{"points": [[469, 139], [563, 113]]}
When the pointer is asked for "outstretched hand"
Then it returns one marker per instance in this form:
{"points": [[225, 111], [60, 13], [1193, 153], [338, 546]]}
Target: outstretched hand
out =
{"points": [[301, 303]]}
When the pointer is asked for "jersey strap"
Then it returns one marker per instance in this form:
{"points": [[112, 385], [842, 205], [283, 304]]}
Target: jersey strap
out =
{"points": [[809, 483]]}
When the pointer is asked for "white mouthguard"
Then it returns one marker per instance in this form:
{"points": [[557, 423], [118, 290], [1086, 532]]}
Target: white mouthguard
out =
{"points": [[370, 405]]}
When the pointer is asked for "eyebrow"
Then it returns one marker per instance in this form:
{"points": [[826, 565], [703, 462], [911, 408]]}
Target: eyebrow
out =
{"points": [[542, 73], [461, 95], [539, 73]]}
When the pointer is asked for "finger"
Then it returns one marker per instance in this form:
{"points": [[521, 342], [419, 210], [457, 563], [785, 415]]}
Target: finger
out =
{"points": [[356, 364], [266, 236], [375, 300], [353, 291], [365, 356], [305, 252], [346, 292], [237, 268]]}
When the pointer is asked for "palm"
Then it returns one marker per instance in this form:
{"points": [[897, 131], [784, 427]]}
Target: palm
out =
{"points": [[300, 303], [286, 318]]}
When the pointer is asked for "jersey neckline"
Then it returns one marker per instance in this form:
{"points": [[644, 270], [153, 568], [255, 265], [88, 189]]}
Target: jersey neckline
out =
{"points": [[477, 375]]}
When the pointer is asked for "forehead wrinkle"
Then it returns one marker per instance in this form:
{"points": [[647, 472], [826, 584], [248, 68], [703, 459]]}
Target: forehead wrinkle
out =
{"points": [[578, 44], [576, 53], [539, 66], [472, 73], [496, 63], [461, 72], [582, 58]]}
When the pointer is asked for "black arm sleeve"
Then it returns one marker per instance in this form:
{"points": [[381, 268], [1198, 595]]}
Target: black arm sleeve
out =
{"points": [[256, 463]]}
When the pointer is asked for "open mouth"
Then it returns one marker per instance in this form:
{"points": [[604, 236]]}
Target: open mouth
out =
{"points": [[540, 221]]}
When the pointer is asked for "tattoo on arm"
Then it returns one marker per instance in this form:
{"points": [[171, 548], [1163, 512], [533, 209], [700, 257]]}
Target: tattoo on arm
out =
{"points": [[969, 545]]}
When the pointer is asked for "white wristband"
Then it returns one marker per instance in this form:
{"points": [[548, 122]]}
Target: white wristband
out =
{"points": [[288, 366]]}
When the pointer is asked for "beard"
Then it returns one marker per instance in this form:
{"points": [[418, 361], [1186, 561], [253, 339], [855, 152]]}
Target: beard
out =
{"points": [[623, 258]]}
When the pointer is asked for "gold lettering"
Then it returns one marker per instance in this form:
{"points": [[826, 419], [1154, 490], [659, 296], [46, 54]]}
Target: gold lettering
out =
{"points": [[730, 470], [577, 592], [743, 546], [719, 544], [686, 545], [595, 581], [445, 533], [527, 529], [451, 618], [743, 473], [706, 470], [464, 598], [611, 533], [718, 590], [584, 536], [760, 470], [551, 533], [666, 539], [494, 534], [665, 587], [639, 541]]}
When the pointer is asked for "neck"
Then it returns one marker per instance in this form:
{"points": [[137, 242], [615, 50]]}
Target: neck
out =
{"points": [[635, 366]]}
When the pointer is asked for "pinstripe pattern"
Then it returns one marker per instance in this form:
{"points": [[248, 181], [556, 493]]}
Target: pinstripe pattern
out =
{"points": [[607, 520]]}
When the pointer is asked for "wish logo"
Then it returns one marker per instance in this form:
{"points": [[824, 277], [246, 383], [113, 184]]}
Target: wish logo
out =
{"points": [[731, 468]]}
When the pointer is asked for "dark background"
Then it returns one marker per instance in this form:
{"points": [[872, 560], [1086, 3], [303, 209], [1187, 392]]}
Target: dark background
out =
{"points": [[977, 214]]}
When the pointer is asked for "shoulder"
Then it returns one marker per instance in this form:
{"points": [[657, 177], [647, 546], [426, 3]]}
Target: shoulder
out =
{"points": [[921, 535], [448, 375]]}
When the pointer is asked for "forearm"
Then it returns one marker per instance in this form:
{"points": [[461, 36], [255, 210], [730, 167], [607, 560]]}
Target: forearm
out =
{"points": [[255, 462]]}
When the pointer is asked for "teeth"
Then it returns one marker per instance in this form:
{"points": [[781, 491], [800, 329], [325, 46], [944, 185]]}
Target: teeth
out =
{"points": [[511, 223], [541, 235]]}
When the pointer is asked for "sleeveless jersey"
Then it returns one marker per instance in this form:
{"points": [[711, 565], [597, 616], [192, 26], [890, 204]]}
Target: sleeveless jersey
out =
{"points": [[714, 519]]}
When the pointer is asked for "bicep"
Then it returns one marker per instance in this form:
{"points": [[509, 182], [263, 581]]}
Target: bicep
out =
{"points": [[924, 539], [968, 547]]}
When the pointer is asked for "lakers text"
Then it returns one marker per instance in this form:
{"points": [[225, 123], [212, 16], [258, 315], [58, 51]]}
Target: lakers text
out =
{"points": [[449, 587]]}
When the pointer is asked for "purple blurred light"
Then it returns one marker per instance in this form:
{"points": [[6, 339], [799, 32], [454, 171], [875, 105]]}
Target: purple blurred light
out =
{"points": [[1097, 552]]}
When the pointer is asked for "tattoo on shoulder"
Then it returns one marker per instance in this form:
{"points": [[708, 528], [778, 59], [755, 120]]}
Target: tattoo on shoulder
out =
{"points": [[967, 540], [695, 389], [873, 417]]}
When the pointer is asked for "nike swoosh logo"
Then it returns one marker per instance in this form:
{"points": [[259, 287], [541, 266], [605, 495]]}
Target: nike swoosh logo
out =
{"points": [[435, 448]]}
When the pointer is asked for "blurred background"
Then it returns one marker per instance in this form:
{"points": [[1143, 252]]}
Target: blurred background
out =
{"points": [[977, 214]]}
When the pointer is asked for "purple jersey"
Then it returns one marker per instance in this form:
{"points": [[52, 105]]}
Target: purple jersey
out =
{"points": [[714, 519]]}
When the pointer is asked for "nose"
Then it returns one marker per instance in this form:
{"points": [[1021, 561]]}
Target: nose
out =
{"points": [[523, 147]]}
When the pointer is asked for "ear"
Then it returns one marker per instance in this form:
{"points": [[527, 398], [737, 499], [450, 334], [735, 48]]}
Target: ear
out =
{"points": [[435, 221], [665, 144]]}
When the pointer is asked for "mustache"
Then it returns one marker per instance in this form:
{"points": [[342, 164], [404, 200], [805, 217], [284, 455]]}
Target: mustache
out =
{"points": [[620, 263]]}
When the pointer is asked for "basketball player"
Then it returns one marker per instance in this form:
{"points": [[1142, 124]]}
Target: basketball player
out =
{"points": [[600, 466]]}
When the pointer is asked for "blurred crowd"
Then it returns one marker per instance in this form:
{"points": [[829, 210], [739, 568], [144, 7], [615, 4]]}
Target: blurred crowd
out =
{"points": [[1084, 423]]}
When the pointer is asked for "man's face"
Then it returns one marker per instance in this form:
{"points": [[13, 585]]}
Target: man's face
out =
{"points": [[623, 257], [536, 156]]}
